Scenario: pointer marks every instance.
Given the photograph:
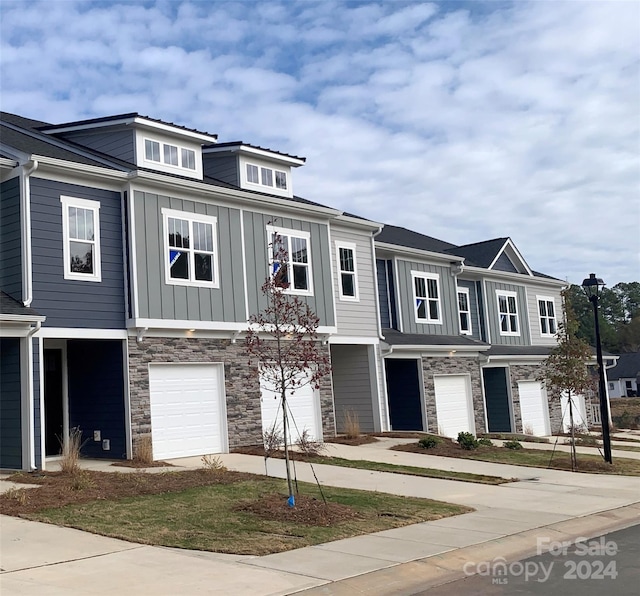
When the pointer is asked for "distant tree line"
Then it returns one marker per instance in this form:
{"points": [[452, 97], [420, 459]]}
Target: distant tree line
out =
{"points": [[619, 309]]}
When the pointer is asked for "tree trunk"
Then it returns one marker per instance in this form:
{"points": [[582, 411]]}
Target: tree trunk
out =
{"points": [[574, 460]]}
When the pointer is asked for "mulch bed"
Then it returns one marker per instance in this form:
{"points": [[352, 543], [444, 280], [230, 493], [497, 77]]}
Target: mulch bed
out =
{"points": [[135, 463], [307, 510], [355, 441], [58, 489]]}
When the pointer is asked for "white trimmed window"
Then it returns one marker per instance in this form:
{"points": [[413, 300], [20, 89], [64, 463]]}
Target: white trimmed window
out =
{"points": [[508, 312], [191, 249], [81, 239], [170, 155], [266, 177], [295, 268], [151, 150], [252, 174], [188, 159], [547, 312], [347, 271], [464, 311], [426, 297]]}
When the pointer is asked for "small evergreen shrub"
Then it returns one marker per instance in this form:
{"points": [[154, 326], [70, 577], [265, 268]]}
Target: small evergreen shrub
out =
{"points": [[485, 442], [467, 441], [428, 442], [512, 445]]}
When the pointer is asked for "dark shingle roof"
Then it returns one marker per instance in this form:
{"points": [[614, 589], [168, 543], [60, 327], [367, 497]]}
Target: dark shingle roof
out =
{"points": [[395, 338], [239, 143], [10, 306], [403, 237], [520, 351], [627, 367], [481, 254]]}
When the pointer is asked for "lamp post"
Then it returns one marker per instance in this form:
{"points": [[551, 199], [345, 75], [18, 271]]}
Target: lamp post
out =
{"points": [[593, 287]]}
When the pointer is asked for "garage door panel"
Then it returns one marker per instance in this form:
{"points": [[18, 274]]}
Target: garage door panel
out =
{"points": [[187, 409], [533, 407], [453, 404]]}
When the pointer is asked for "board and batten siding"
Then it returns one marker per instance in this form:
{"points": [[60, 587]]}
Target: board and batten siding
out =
{"points": [[74, 303], [476, 332], [533, 292], [356, 318], [222, 167], [523, 339], [448, 299], [10, 404], [116, 143], [158, 299], [257, 255], [10, 235]]}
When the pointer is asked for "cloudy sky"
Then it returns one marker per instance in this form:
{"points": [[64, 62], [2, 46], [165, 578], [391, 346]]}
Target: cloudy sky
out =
{"points": [[461, 120]]}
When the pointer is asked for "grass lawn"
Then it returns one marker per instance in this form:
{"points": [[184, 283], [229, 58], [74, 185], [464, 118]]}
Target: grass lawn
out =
{"points": [[529, 457], [218, 511]]}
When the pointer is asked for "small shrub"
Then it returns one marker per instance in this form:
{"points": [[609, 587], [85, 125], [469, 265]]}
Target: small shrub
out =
{"points": [[71, 451], [429, 442], [484, 442], [513, 445], [212, 463], [273, 440], [143, 450], [307, 445], [82, 481], [467, 441], [528, 429], [351, 424], [19, 495], [587, 441], [626, 420]]}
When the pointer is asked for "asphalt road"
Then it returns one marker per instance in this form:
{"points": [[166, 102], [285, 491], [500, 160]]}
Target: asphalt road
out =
{"points": [[604, 566]]}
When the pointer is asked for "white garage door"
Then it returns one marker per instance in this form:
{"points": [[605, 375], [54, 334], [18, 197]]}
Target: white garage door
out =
{"points": [[534, 408], [303, 411], [453, 405], [579, 409], [187, 409]]}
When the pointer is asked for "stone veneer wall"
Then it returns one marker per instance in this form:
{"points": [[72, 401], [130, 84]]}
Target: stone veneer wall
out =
{"points": [[452, 366], [242, 388]]}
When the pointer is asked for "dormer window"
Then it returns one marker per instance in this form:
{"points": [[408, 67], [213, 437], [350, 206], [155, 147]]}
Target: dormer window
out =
{"points": [[188, 159], [170, 155], [151, 150], [268, 177], [281, 180], [252, 174]]}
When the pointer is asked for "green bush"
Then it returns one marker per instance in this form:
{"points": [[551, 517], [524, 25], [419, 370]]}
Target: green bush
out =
{"points": [[512, 445], [428, 442], [485, 442], [467, 441]]}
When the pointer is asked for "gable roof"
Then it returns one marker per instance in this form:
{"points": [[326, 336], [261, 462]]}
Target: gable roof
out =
{"points": [[627, 367], [481, 254], [243, 147]]}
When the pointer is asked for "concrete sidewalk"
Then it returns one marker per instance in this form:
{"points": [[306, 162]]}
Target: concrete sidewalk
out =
{"points": [[509, 518]]}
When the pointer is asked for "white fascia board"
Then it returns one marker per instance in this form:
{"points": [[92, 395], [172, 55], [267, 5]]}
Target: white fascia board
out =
{"points": [[356, 222], [27, 319], [141, 323], [254, 151], [517, 359], [89, 126], [86, 170], [420, 254], [518, 278], [397, 348], [16, 156], [251, 200], [76, 333], [511, 245], [354, 340]]}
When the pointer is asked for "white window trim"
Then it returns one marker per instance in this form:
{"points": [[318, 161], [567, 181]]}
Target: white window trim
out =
{"points": [[352, 247], [191, 218], [508, 294], [273, 176], [555, 314], [426, 275], [164, 164], [93, 206], [271, 230], [463, 290]]}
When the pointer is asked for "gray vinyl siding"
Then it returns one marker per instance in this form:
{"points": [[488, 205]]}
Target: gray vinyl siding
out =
{"points": [[448, 300], [476, 332], [10, 234], [158, 299], [222, 167], [504, 264], [10, 404], [73, 303], [255, 234], [356, 318], [352, 385], [532, 300], [494, 322], [383, 293], [116, 143]]}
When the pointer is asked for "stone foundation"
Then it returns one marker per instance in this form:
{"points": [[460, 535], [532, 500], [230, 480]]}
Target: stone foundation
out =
{"points": [[241, 383]]}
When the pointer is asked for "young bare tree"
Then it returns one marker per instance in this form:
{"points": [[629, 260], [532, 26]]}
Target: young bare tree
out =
{"points": [[565, 370], [283, 338]]}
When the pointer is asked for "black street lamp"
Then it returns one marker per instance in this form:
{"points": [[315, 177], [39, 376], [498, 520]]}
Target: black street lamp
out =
{"points": [[593, 287]]}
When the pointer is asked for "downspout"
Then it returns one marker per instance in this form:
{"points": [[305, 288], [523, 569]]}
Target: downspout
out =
{"points": [[31, 453], [28, 168]]}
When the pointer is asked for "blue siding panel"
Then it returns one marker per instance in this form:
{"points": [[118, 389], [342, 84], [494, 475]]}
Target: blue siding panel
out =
{"points": [[10, 405], [10, 249], [72, 303], [383, 293], [504, 264]]}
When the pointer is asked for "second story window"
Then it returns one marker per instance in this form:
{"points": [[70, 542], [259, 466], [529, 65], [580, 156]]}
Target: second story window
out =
{"points": [[188, 159], [170, 155], [81, 239], [426, 297], [547, 311], [464, 311], [281, 180], [151, 150], [191, 249], [508, 313], [264, 176], [348, 286], [252, 174], [290, 259]]}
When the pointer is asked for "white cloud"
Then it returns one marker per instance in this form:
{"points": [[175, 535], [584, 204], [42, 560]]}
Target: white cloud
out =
{"points": [[513, 120]]}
